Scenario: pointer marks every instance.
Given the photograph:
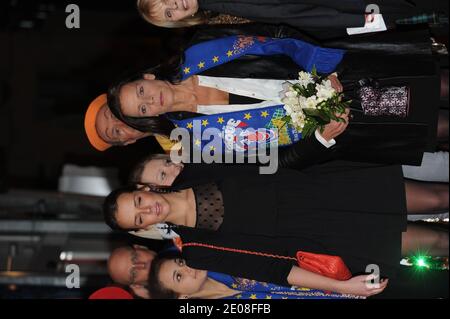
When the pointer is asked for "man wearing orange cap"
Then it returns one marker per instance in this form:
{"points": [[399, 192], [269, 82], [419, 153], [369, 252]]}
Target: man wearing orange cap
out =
{"points": [[104, 130], [130, 266]]}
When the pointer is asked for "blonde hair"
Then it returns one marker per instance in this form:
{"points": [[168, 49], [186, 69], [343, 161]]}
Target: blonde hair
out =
{"points": [[145, 7]]}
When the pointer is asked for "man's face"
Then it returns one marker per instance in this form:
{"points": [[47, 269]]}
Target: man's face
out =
{"points": [[131, 265], [114, 131]]}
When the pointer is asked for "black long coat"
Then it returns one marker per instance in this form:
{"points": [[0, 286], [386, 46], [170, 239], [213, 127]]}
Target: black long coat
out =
{"points": [[322, 19], [387, 57]]}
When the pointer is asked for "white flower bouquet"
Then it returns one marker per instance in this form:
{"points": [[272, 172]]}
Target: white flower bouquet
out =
{"points": [[311, 103]]}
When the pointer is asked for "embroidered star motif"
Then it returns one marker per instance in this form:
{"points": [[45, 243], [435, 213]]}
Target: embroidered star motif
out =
{"points": [[205, 123], [201, 65], [215, 59], [220, 120], [189, 125], [234, 286], [229, 53], [268, 297], [212, 148], [264, 114], [239, 296], [247, 116], [197, 142], [253, 296], [187, 70]]}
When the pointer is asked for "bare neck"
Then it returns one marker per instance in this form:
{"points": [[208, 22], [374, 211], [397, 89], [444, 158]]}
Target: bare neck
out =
{"points": [[213, 289], [182, 208], [188, 95]]}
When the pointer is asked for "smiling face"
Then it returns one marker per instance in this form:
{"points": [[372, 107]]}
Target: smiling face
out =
{"points": [[160, 172], [171, 10], [146, 97], [176, 276], [114, 131], [140, 209]]}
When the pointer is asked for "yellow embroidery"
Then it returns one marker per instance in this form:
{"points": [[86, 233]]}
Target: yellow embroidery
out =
{"points": [[201, 65], [264, 114], [215, 59], [189, 125], [247, 116], [187, 70], [253, 296], [197, 142], [229, 53], [205, 123], [220, 120]]}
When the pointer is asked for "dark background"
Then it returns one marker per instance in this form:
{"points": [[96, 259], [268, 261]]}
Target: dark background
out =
{"points": [[49, 74]]}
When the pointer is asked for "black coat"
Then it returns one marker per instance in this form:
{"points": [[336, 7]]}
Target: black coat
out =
{"points": [[309, 210], [322, 19], [386, 57]]}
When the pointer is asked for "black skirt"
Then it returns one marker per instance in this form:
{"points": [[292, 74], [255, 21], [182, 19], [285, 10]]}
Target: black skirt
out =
{"points": [[353, 210]]}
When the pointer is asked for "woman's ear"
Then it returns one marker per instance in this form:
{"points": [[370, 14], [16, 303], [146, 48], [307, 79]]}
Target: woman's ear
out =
{"points": [[149, 76], [140, 291]]}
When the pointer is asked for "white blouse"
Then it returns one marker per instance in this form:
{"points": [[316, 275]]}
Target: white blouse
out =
{"points": [[262, 89]]}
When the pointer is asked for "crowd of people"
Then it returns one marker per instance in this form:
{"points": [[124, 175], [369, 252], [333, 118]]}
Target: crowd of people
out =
{"points": [[334, 220]]}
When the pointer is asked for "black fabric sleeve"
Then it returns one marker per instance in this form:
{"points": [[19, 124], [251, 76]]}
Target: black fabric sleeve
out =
{"points": [[304, 153], [266, 269]]}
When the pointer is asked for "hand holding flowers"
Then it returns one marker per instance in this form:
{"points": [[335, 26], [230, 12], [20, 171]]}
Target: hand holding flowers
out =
{"points": [[316, 103]]}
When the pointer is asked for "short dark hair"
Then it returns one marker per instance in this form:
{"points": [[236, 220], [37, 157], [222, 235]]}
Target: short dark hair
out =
{"points": [[110, 207], [154, 286]]}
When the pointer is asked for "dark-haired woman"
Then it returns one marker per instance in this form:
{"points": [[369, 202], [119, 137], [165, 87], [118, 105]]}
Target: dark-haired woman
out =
{"points": [[389, 138], [329, 209]]}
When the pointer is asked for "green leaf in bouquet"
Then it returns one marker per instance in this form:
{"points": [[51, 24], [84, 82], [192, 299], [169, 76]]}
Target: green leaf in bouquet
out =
{"points": [[314, 72]]}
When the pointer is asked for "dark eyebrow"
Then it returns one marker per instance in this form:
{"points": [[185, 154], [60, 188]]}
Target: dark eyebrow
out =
{"points": [[174, 274]]}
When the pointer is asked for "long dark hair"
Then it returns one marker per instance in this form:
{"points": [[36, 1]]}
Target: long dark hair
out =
{"points": [[169, 72], [154, 286]]}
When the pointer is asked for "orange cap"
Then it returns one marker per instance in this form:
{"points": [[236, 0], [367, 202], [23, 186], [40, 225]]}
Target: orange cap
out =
{"points": [[89, 123]]}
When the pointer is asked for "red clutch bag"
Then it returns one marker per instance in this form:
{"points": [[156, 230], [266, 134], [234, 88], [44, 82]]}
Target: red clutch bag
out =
{"points": [[325, 265]]}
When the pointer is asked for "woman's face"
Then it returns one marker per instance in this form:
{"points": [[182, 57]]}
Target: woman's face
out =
{"points": [[176, 276], [146, 97], [140, 209], [160, 172], [173, 10]]}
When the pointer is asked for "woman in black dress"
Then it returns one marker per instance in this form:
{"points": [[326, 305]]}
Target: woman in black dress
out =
{"points": [[354, 210], [158, 170]]}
